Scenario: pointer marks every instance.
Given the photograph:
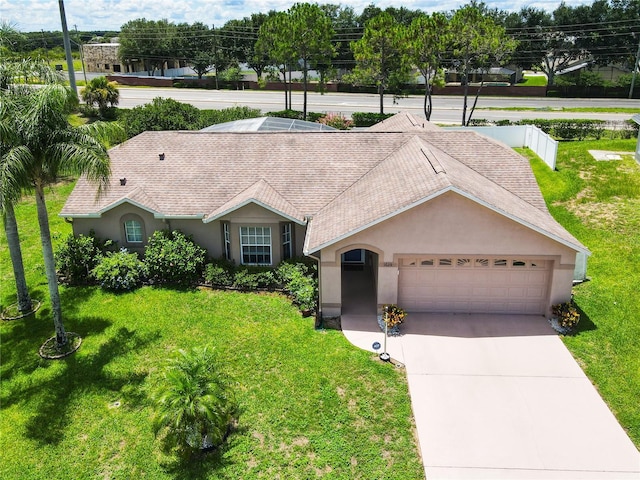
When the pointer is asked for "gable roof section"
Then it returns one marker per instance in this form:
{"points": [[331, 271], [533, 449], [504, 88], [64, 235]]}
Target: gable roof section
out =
{"points": [[263, 194], [415, 174], [403, 122]]}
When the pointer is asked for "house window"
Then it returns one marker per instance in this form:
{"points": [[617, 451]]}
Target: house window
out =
{"points": [[255, 243], [116, 68], [287, 244], [133, 231], [226, 234], [106, 66]]}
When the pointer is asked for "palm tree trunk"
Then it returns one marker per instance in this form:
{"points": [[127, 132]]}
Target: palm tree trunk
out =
{"points": [[13, 241], [49, 266]]}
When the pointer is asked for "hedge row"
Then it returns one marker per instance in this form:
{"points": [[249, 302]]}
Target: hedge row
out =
{"points": [[573, 129], [172, 258]]}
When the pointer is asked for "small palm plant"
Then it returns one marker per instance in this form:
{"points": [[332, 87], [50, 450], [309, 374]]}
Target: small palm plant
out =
{"points": [[194, 405]]}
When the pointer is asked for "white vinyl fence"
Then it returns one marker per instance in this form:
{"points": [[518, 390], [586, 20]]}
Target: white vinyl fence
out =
{"points": [[521, 136]]}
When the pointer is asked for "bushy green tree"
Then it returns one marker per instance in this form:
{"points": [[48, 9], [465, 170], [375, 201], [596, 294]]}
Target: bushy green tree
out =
{"points": [[428, 38], [478, 43], [381, 55]]}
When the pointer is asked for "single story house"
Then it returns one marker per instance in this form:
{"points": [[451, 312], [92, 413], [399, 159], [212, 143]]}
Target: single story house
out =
{"points": [[443, 221]]}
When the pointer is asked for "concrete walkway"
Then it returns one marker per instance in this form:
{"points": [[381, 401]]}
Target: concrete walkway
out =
{"points": [[498, 397]]}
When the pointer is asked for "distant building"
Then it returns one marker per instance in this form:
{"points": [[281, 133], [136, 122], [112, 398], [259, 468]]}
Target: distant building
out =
{"points": [[103, 58]]}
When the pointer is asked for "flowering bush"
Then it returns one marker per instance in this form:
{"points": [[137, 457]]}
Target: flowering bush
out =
{"points": [[336, 120], [567, 314], [120, 271], [393, 315]]}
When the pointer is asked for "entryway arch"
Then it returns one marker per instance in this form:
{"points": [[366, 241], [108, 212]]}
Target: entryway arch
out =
{"points": [[359, 279]]}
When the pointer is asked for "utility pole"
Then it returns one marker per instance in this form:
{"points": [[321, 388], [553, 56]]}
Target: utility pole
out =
{"points": [[79, 43], [67, 49], [636, 65]]}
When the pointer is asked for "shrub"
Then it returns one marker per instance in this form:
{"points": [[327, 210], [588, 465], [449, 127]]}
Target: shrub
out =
{"points": [[367, 119], [299, 280], [566, 129], [212, 117], [161, 114], [219, 273], [567, 315], [293, 114], [336, 120], [174, 258], [120, 271], [193, 403], [244, 280], [78, 256]]}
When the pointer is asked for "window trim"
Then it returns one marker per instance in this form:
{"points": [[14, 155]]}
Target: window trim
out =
{"points": [[286, 237], [126, 238], [226, 240], [262, 245]]}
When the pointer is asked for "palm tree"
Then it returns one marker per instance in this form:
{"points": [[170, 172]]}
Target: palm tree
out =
{"points": [[48, 147], [102, 93], [194, 406], [9, 194]]}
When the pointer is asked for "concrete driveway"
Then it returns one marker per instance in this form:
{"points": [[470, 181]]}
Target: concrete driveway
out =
{"points": [[499, 396]]}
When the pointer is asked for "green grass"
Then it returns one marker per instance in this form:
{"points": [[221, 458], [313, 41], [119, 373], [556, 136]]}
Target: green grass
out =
{"points": [[311, 404], [630, 111], [599, 202], [533, 81]]}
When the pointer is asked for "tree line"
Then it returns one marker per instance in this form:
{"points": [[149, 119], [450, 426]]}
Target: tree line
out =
{"points": [[378, 47]]}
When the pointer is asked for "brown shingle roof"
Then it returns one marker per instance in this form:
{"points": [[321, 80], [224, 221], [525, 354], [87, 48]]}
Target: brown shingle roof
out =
{"points": [[328, 175], [403, 122]]}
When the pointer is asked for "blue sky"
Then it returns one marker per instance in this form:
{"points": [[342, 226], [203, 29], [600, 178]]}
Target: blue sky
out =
{"points": [[36, 15]]}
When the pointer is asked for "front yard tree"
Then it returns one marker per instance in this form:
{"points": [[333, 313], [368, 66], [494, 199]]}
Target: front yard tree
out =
{"points": [[428, 39], [9, 194], [380, 55], [47, 147], [478, 42], [194, 403]]}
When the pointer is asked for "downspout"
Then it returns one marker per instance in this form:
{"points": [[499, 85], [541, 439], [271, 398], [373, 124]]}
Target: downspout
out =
{"points": [[320, 323]]}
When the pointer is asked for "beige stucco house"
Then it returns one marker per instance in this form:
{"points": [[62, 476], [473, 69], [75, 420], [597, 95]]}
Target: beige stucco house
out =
{"points": [[443, 221]]}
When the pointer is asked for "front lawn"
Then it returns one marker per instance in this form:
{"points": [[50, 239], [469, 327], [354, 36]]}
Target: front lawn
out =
{"points": [[599, 202], [311, 404]]}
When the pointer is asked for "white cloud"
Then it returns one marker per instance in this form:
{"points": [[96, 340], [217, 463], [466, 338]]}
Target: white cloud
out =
{"points": [[35, 15]]}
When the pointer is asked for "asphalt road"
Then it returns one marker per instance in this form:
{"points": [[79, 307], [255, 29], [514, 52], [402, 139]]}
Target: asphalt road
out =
{"points": [[447, 109]]}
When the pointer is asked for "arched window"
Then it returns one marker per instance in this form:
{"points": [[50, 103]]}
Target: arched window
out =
{"points": [[133, 230]]}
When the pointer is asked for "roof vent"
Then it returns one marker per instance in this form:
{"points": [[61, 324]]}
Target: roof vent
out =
{"points": [[161, 156], [123, 181]]}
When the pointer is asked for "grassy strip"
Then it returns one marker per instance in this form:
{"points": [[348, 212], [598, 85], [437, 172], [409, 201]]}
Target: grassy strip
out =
{"points": [[631, 111], [311, 403], [599, 202]]}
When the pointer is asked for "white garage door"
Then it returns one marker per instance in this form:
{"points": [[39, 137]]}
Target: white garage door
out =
{"points": [[471, 284]]}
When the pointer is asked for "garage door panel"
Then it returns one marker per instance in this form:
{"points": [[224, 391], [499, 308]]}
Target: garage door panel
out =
{"points": [[475, 285]]}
